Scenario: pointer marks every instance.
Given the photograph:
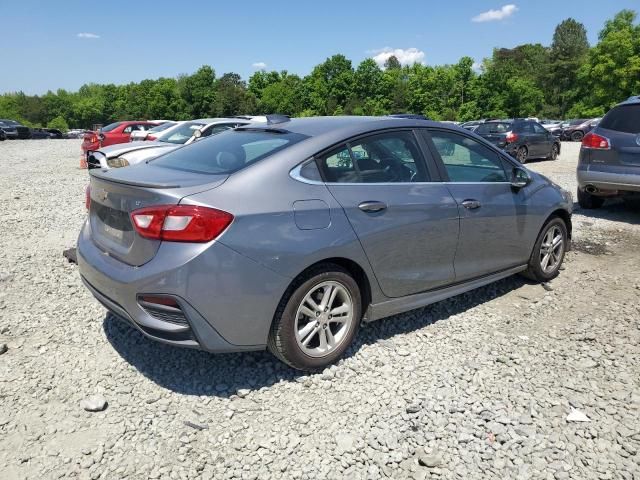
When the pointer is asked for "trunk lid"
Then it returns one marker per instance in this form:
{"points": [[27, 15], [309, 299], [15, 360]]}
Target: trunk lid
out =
{"points": [[116, 193], [624, 151]]}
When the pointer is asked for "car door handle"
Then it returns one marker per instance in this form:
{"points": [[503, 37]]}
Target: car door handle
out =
{"points": [[471, 204], [372, 206]]}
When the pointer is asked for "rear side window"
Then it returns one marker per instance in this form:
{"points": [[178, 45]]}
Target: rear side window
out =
{"points": [[392, 157], [228, 151], [494, 127], [624, 118]]}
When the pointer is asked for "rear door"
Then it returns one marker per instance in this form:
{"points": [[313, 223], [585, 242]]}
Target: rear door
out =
{"points": [[544, 138], [492, 214], [622, 127], [406, 222]]}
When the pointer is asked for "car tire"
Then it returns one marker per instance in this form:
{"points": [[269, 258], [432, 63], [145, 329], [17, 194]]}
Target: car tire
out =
{"points": [[577, 136], [588, 201], [305, 342], [555, 151], [546, 258], [522, 154]]}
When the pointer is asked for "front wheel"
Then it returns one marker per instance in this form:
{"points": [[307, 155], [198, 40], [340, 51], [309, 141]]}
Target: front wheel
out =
{"points": [[548, 252], [317, 318], [554, 152], [577, 136]]}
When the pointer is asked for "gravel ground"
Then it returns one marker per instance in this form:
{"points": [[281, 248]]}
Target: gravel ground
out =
{"points": [[479, 386]]}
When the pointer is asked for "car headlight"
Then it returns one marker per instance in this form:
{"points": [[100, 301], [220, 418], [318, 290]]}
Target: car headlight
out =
{"points": [[117, 162]]}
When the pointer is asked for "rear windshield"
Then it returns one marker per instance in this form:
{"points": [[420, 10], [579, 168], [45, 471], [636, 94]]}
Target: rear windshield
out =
{"points": [[497, 127], [228, 151], [110, 127], [181, 133], [624, 118]]}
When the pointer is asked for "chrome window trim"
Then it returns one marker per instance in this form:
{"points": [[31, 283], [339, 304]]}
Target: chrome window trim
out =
{"points": [[295, 174]]}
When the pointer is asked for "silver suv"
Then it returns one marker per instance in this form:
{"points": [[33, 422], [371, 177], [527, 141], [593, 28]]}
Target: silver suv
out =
{"points": [[609, 163]]}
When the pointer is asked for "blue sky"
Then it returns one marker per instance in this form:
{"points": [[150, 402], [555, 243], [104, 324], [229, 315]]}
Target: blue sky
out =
{"points": [[131, 40]]}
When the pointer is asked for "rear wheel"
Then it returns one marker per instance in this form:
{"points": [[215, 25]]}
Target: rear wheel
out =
{"points": [[548, 252], [577, 136], [522, 154], [316, 319], [588, 201]]}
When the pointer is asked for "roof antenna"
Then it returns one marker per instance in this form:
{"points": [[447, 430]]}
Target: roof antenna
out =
{"points": [[277, 118]]}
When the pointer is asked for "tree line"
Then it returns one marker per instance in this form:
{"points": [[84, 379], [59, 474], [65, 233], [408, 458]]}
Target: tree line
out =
{"points": [[568, 78]]}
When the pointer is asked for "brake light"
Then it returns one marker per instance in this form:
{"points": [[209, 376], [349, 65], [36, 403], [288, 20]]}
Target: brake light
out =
{"points": [[180, 223], [150, 137], [87, 196], [511, 137], [596, 142]]}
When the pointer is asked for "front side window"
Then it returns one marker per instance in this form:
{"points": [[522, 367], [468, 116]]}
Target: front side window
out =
{"points": [[228, 152], [539, 128], [384, 158], [467, 160]]}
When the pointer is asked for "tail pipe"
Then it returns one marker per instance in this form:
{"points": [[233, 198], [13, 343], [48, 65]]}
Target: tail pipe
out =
{"points": [[591, 189]]}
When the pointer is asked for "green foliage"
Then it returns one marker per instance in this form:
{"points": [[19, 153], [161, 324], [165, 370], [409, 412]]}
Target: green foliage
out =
{"points": [[566, 79], [59, 123]]}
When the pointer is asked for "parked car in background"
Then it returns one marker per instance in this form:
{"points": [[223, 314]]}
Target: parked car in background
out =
{"points": [[76, 133], [151, 134], [373, 216], [112, 134], [14, 130], [183, 133], [472, 125], [40, 134], [55, 133], [522, 139], [609, 162], [576, 131], [3, 136]]}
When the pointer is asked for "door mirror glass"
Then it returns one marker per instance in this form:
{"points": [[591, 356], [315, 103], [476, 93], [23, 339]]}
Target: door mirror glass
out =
{"points": [[520, 177], [197, 134]]}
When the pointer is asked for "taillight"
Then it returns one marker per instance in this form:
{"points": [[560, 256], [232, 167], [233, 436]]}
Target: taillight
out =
{"points": [[87, 196], [511, 137], [150, 137], [180, 223], [596, 142]]}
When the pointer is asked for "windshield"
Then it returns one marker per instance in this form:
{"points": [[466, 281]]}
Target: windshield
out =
{"points": [[493, 127], [162, 127], [180, 133], [625, 118], [228, 151]]}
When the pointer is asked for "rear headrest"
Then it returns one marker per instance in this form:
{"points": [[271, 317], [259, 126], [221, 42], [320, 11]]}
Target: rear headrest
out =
{"points": [[231, 160]]}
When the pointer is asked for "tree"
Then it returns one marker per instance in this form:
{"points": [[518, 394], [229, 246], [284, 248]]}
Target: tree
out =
{"points": [[58, 123], [568, 52], [392, 63]]}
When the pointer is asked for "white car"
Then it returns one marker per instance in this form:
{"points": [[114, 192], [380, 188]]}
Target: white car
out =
{"points": [[183, 133], [152, 133]]}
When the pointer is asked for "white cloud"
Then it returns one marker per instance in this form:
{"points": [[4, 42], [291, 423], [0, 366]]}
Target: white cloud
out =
{"points": [[259, 65], [477, 67], [491, 15], [407, 56], [87, 35]]}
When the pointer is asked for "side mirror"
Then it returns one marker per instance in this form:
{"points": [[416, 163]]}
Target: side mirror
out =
{"points": [[197, 134], [520, 178]]}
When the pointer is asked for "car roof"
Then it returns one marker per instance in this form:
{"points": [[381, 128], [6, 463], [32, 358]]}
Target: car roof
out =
{"points": [[315, 126], [633, 100]]}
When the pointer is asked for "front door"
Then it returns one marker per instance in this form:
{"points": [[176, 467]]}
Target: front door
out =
{"points": [[407, 225], [492, 214]]}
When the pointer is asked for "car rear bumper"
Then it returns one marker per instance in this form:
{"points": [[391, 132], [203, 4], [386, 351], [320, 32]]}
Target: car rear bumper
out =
{"points": [[608, 180], [226, 300]]}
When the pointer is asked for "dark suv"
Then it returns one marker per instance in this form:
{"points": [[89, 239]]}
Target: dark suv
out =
{"points": [[522, 139], [609, 164]]}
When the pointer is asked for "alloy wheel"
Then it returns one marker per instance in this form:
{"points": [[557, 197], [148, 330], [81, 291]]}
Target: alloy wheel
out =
{"points": [[552, 249], [521, 155], [323, 318]]}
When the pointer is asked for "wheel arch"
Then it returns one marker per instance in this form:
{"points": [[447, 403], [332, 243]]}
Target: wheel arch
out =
{"points": [[565, 216]]}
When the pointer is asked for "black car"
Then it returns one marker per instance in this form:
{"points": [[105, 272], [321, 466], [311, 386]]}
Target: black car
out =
{"points": [[3, 136], [14, 130], [522, 139]]}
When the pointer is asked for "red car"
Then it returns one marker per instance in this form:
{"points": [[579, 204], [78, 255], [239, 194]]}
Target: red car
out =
{"points": [[118, 132]]}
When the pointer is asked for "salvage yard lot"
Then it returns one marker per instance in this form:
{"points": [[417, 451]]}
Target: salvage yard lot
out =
{"points": [[478, 386]]}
